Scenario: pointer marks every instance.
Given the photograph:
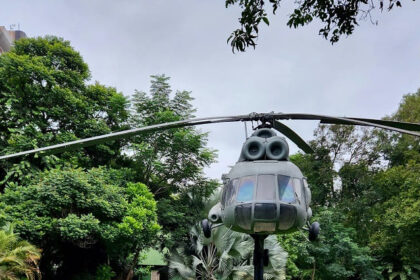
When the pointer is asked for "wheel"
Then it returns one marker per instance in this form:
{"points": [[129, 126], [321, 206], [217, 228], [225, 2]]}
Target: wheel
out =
{"points": [[314, 231], [206, 226]]}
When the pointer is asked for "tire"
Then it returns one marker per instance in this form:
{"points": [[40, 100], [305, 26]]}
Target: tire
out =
{"points": [[206, 226], [314, 231]]}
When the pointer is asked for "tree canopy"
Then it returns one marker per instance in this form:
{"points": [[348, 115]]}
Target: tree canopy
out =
{"points": [[93, 210], [82, 219], [45, 99], [338, 17], [366, 188]]}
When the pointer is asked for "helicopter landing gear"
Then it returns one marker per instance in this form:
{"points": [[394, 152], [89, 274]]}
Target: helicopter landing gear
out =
{"points": [[260, 256], [206, 226], [314, 231], [265, 257]]}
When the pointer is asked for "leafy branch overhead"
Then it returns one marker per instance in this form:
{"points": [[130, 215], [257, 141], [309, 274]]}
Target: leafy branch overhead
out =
{"points": [[338, 17]]}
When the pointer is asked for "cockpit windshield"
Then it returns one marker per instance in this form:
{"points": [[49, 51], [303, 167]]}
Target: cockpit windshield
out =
{"points": [[264, 187], [246, 189], [286, 190]]}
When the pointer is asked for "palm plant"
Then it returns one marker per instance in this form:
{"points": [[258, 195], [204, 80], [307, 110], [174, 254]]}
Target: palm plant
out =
{"points": [[225, 255], [17, 258]]}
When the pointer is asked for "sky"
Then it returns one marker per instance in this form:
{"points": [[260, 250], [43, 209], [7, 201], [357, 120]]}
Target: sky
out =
{"points": [[291, 70]]}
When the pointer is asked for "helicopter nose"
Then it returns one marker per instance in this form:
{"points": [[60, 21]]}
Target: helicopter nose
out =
{"points": [[265, 211], [265, 215], [288, 214]]}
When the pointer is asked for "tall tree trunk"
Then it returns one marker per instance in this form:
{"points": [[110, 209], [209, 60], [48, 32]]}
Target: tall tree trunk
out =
{"points": [[130, 273]]}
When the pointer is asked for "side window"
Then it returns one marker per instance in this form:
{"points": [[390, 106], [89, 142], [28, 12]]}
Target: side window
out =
{"points": [[233, 190], [246, 189], [225, 192], [308, 195], [266, 187], [300, 192], [286, 191]]}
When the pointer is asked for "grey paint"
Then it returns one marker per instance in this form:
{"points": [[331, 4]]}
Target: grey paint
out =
{"points": [[278, 216]]}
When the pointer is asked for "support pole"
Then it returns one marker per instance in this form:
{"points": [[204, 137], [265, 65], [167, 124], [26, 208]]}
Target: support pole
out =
{"points": [[259, 256]]}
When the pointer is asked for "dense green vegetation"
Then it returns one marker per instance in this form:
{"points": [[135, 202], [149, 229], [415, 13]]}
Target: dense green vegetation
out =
{"points": [[18, 258], [225, 255], [366, 194], [92, 211]]}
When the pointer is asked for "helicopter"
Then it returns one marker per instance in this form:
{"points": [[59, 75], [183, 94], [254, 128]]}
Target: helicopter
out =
{"points": [[264, 193]]}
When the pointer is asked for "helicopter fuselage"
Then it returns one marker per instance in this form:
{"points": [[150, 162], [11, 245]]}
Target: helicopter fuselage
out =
{"points": [[263, 197]]}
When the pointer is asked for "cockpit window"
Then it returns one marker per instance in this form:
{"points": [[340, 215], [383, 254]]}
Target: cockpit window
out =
{"points": [[266, 187], [246, 189], [299, 191], [232, 193], [229, 192], [286, 191]]}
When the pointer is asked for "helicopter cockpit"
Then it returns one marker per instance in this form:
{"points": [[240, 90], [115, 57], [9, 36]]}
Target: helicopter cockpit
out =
{"points": [[269, 187], [265, 202]]}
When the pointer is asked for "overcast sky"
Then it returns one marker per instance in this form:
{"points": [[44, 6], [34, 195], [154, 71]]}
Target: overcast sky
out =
{"points": [[126, 41]]}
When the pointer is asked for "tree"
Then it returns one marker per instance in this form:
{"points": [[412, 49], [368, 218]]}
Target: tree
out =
{"points": [[225, 255], [171, 162], [339, 17], [18, 258], [400, 149], [83, 219], [395, 224], [336, 255], [376, 178], [45, 100]]}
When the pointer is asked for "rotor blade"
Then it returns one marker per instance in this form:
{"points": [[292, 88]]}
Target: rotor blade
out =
{"points": [[402, 125], [293, 136], [353, 121], [53, 149], [199, 121]]}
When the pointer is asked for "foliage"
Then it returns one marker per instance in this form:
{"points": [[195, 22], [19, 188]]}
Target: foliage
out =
{"points": [[395, 228], [82, 219], [45, 99], [338, 17], [374, 177], [225, 255], [18, 258], [336, 255], [170, 162], [318, 169], [400, 149]]}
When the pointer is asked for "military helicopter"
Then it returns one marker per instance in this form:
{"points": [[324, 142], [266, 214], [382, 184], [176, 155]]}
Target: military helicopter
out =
{"points": [[264, 193]]}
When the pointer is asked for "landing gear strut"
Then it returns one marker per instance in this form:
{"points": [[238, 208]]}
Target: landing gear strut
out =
{"points": [[260, 256]]}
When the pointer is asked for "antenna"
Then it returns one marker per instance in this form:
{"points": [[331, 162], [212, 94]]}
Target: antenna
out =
{"points": [[246, 131]]}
